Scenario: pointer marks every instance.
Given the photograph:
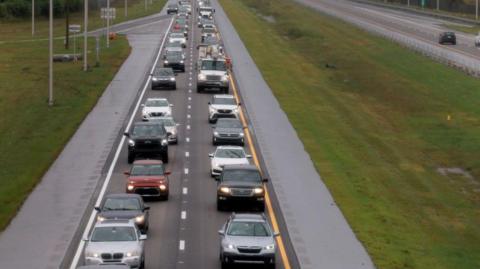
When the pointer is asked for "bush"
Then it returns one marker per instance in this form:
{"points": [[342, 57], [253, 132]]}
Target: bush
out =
{"points": [[17, 8], [22, 8]]}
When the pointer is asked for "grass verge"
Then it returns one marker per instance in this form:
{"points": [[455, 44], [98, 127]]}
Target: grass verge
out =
{"points": [[378, 126], [31, 133], [466, 29]]}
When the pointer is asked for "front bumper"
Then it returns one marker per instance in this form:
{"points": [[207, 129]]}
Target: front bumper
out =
{"points": [[212, 84], [143, 150], [213, 116], [132, 262], [237, 257], [241, 200], [149, 191]]}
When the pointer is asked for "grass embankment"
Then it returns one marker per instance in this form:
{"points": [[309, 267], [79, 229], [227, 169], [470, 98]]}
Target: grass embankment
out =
{"points": [[466, 29], [21, 29], [377, 128]]}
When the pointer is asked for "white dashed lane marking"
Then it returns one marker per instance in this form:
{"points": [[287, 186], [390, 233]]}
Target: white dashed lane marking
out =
{"points": [[187, 154], [184, 215], [185, 191], [187, 139], [186, 171], [181, 246]]}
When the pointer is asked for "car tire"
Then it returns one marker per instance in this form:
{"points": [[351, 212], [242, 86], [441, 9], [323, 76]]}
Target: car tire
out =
{"points": [[261, 207], [142, 263], [199, 90], [224, 265], [211, 120], [225, 91], [131, 157], [165, 157], [214, 142], [220, 205]]}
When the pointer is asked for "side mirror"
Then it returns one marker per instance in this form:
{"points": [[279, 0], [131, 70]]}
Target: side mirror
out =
{"points": [[146, 208], [248, 156], [210, 155], [126, 134], [239, 103], [265, 180], [142, 105], [85, 239], [127, 173], [168, 173], [97, 208], [275, 234], [171, 105], [209, 103], [221, 232], [143, 237]]}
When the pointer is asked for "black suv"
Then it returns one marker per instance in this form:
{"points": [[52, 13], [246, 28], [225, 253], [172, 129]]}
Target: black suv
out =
{"points": [[147, 138], [228, 132], [174, 61], [242, 184], [172, 8], [447, 37], [163, 78]]}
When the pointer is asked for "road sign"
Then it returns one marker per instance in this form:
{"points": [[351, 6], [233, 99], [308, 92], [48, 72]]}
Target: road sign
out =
{"points": [[74, 28], [108, 13]]}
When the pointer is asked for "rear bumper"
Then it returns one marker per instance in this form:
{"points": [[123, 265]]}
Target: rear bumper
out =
{"points": [[164, 84], [229, 140], [149, 191]]}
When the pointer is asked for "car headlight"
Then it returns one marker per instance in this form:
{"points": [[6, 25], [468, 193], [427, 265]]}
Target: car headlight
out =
{"points": [[172, 79], [181, 61], [258, 190], [212, 109], [140, 219], [202, 77], [100, 218], [162, 187], [154, 79], [91, 254], [225, 189], [164, 142], [215, 133], [225, 78], [131, 143], [133, 253], [130, 187], [242, 134], [270, 247], [165, 62], [231, 246]]}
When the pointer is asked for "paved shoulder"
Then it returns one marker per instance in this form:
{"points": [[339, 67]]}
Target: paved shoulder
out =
{"points": [[319, 233], [41, 233]]}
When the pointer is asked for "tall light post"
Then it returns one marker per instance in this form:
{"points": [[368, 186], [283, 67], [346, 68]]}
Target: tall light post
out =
{"points": [[126, 8], [108, 23], [438, 5], [476, 10], [50, 58], [85, 37], [33, 17]]}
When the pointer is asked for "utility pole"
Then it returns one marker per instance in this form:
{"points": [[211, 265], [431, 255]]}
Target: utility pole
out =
{"points": [[33, 17], [476, 10], [50, 58], [126, 8], [145, 4], [67, 22], [85, 37], [438, 5], [108, 23], [408, 3]]}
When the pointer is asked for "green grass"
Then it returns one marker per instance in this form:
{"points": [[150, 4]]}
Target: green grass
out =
{"points": [[466, 29], [21, 29], [31, 133], [377, 129]]}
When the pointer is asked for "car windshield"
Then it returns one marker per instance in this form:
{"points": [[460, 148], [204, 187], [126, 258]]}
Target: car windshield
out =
{"points": [[241, 175], [227, 123], [156, 103], [147, 170], [243, 228], [177, 35], [181, 21], [174, 51], [164, 72], [208, 30], [172, 6], [174, 57], [168, 122], [206, 9], [113, 234], [121, 204], [224, 101], [214, 65], [148, 130], [174, 45], [230, 153]]}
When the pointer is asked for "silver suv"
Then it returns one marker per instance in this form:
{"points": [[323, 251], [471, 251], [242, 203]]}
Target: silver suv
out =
{"points": [[114, 242], [222, 106], [247, 238]]}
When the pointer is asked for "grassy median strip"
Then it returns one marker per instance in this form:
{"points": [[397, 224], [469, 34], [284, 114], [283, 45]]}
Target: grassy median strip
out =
{"points": [[395, 136]]}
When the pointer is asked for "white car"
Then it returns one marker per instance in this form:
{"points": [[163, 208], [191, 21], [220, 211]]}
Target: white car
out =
{"points": [[156, 107], [222, 106], [477, 40], [174, 50], [227, 155], [171, 128], [178, 37], [115, 241]]}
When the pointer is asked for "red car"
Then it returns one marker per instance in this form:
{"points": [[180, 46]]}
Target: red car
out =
{"points": [[148, 178]]}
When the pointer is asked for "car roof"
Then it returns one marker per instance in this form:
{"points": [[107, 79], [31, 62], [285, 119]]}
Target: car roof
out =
{"points": [[223, 96], [154, 99], [147, 123], [105, 266], [122, 195], [248, 217], [240, 166], [116, 223], [229, 147], [147, 161]]}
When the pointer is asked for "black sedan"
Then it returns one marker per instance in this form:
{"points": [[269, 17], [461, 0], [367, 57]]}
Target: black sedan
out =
{"points": [[174, 61], [447, 37], [163, 78]]}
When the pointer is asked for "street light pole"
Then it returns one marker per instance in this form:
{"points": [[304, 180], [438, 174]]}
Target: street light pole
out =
{"points": [[108, 23], [476, 10], [126, 8], [33, 17], [50, 58], [438, 5], [85, 31]]}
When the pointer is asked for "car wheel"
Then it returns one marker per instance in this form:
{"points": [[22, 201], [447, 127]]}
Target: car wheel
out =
{"points": [[225, 91], [165, 157], [131, 157], [261, 207], [214, 142], [224, 265], [199, 90], [142, 263], [220, 205]]}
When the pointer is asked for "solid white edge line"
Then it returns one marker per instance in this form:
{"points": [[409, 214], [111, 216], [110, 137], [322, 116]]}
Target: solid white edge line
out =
{"points": [[81, 244]]}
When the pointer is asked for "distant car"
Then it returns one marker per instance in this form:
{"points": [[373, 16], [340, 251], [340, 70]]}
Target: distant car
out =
{"points": [[178, 37], [170, 126], [222, 106], [184, 9], [202, 22], [210, 40], [208, 32], [147, 139], [174, 61], [124, 206], [247, 238], [182, 20], [148, 178], [228, 132], [163, 78], [174, 50], [241, 184], [227, 155], [173, 46], [156, 107], [172, 9], [105, 266], [477, 40], [115, 241], [447, 37]]}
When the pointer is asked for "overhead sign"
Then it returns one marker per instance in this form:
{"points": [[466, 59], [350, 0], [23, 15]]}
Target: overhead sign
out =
{"points": [[108, 13], [74, 28]]}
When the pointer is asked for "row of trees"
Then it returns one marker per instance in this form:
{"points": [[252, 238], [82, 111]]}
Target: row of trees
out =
{"points": [[23, 8]]}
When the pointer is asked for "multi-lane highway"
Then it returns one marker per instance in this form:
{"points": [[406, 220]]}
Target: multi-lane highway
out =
{"points": [[184, 230]]}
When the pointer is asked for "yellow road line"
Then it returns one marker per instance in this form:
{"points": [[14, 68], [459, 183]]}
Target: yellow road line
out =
{"points": [[273, 219]]}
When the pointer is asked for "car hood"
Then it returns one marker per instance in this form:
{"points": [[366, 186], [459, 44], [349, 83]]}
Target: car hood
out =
{"points": [[227, 161], [240, 184], [229, 130], [155, 109], [249, 241], [120, 214], [146, 179], [231, 107], [112, 247], [171, 129], [214, 72]]}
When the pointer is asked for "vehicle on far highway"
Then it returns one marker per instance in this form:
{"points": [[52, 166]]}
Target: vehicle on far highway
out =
{"points": [[172, 9], [228, 132], [241, 184], [174, 46], [178, 28], [226, 155], [447, 37], [477, 40], [147, 139], [205, 12], [247, 238], [178, 37], [115, 241], [171, 127], [222, 106], [148, 178], [124, 206], [105, 266], [156, 107], [202, 22], [207, 32], [163, 78]]}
